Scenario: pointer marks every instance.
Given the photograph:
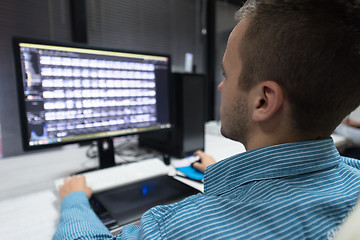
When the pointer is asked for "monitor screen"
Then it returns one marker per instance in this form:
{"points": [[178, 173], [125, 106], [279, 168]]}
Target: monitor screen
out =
{"points": [[71, 93]]}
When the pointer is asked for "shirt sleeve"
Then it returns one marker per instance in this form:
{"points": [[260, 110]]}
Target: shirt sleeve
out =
{"points": [[79, 221]]}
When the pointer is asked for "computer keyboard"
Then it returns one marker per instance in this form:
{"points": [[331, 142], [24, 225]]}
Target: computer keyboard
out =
{"points": [[108, 178]]}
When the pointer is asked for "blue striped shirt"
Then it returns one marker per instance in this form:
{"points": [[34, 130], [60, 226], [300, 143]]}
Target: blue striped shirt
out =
{"points": [[290, 191]]}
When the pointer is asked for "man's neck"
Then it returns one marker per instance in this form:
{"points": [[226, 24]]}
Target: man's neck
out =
{"points": [[264, 140]]}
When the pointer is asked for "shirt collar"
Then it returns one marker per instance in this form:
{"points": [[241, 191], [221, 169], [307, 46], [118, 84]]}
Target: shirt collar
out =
{"points": [[270, 162]]}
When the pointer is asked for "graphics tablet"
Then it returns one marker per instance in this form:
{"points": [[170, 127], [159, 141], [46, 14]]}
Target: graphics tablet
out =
{"points": [[120, 206]]}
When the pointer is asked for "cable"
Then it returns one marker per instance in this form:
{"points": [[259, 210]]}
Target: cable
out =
{"points": [[126, 149], [92, 151]]}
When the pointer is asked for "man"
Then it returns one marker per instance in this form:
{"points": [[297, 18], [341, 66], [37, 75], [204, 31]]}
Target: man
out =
{"points": [[350, 129], [291, 71], [349, 230]]}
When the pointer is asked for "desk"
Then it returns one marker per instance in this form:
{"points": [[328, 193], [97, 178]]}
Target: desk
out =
{"points": [[28, 201]]}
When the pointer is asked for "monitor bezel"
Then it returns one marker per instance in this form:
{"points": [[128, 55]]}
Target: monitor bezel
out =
{"points": [[16, 40]]}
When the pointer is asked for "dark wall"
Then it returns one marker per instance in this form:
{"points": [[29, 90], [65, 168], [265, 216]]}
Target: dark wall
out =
{"points": [[37, 19], [164, 26]]}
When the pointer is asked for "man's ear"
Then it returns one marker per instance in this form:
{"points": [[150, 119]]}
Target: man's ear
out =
{"points": [[268, 100]]}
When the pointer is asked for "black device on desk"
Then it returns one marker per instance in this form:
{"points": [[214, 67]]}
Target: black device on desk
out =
{"points": [[188, 114], [117, 207], [70, 93]]}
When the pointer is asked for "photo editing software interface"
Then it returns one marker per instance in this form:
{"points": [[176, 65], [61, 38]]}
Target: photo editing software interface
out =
{"points": [[72, 94]]}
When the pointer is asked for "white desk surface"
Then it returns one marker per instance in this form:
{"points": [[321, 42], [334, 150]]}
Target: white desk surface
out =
{"points": [[28, 199]]}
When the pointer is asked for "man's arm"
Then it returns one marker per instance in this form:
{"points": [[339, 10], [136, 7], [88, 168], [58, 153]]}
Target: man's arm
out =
{"points": [[79, 221], [76, 216], [205, 161]]}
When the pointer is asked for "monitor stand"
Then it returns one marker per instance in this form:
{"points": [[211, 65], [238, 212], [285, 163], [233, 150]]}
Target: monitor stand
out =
{"points": [[106, 155]]}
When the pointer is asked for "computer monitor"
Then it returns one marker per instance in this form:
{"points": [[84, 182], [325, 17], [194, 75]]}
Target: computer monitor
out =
{"points": [[71, 93]]}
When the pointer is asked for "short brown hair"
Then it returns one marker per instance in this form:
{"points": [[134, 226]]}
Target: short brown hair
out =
{"points": [[311, 48]]}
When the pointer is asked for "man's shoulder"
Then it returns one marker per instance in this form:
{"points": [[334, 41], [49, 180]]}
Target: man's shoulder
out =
{"points": [[163, 211], [352, 162], [189, 208]]}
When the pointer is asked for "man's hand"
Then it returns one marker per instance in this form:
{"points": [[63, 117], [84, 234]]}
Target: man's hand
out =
{"points": [[351, 123], [204, 162], [73, 184]]}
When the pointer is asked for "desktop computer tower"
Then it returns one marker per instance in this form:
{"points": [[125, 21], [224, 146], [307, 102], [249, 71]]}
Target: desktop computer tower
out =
{"points": [[188, 116]]}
